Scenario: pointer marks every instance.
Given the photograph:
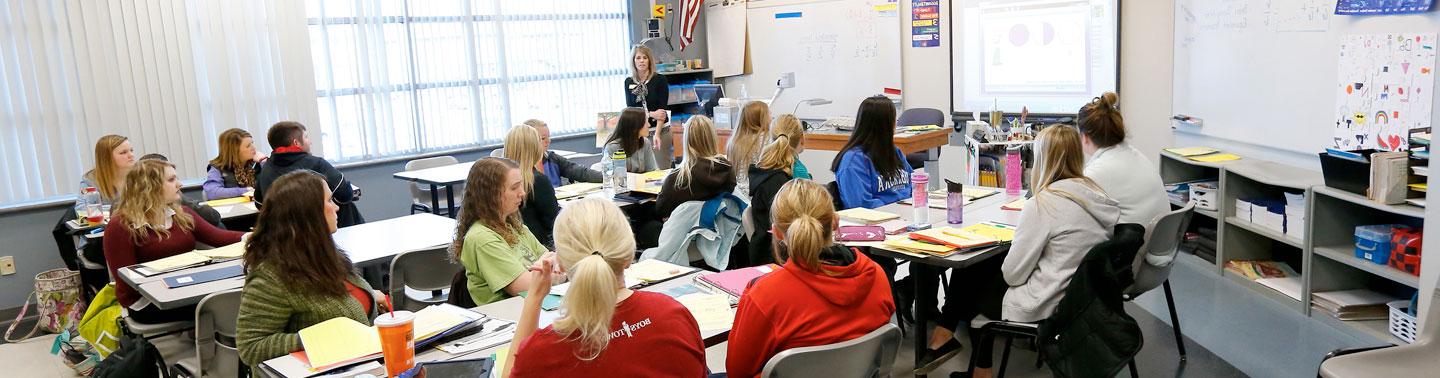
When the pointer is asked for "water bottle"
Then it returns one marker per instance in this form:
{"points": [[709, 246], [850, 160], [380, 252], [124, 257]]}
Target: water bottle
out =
{"points": [[93, 215], [618, 174], [1013, 170], [920, 199], [954, 202], [608, 185]]}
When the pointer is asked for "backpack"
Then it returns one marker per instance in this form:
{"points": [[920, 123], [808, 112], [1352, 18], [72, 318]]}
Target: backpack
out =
{"points": [[136, 357], [100, 324]]}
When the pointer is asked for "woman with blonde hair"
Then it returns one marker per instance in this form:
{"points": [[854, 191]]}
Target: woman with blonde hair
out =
{"points": [[775, 168], [232, 172], [702, 175], [745, 144], [491, 241], [1068, 215], [824, 293], [790, 127], [538, 212], [647, 89], [150, 224], [558, 167], [113, 159], [606, 328]]}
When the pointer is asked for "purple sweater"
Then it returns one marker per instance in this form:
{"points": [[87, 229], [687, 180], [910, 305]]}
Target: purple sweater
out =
{"points": [[215, 186]]}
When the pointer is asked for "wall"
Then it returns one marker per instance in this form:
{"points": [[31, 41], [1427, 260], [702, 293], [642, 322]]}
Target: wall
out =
{"points": [[640, 12]]}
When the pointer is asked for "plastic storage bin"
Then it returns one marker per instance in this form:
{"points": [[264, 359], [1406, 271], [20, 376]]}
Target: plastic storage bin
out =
{"points": [[1205, 195], [1402, 325], [1372, 242], [1344, 174]]}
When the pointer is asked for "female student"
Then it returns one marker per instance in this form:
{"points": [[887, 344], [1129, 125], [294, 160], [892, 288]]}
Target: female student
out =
{"points": [[150, 224], [607, 329], [295, 277], [790, 127], [650, 91], [629, 136], [776, 167], [745, 144], [825, 293], [1068, 215], [558, 167], [492, 243], [1123, 171], [113, 159], [871, 172], [232, 173], [540, 207], [702, 175]]}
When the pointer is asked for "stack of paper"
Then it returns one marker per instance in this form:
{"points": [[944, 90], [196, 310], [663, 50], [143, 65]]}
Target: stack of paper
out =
{"points": [[434, 322], [232, 251], [866, 216], [1015, 205], [1352, 304], [711, 311], [652, 270], [1290, 286], [906, 244], [1295, 204], [1243, 210], [227, 201], [1003, 233], [953, 238], [1388, 176], [172, 263], [1255, 270], [1215, 158], [576, 190], [1191, 151]]}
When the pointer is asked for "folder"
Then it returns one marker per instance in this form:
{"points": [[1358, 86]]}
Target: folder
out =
{"points": [[227, 201], [905, 243], [734, 282], [953, 238], [206, 276], [866, 216], [1001, 232], [1216, 158]]}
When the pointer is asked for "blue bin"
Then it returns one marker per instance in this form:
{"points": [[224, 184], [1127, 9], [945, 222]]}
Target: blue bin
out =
{"points": [[1372, 242]]}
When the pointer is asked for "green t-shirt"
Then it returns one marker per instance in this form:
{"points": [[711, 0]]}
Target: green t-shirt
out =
{"points": [[491, 264]]}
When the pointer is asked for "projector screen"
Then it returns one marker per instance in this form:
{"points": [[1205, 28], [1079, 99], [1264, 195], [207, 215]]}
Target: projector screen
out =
{"points": [[1050, 56]]}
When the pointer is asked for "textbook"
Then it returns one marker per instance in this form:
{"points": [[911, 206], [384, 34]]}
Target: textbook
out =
{"points": [[734, 282], [191, 259], [866, 216], [953, 238]]}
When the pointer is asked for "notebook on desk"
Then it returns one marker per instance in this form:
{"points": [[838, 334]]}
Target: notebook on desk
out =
{"points": [[191, 259], [206, 276], [734, 282]]}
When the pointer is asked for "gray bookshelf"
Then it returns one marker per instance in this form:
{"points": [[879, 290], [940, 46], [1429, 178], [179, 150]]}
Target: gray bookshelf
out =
{"points": [[1323, 254]]}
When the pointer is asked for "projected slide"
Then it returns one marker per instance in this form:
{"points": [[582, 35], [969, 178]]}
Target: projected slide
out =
{"points": [[1050, 56]]}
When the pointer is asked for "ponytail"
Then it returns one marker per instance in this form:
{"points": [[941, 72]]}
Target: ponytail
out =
{"points": [[804, 240], [779, 154], [589, 305], [804, 213], [1100, 120]]}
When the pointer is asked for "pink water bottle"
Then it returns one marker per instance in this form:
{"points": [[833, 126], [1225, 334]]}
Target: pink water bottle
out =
{"points": [[1013, 170], [920, 198]]}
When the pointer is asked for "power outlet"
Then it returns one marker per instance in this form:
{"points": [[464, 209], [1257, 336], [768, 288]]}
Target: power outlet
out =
{"points": [[7, 265]]}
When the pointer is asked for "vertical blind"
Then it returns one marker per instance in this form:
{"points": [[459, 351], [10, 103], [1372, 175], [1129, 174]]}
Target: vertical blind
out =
{"points": [[397, 77], [168, 74]]}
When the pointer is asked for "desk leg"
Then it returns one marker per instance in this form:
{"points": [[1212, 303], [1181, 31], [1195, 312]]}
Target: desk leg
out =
{"points": [[434, 200], [923, 304], [450, 199], [933, 160]]}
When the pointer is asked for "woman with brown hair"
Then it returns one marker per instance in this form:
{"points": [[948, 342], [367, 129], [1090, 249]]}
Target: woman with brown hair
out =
{"points": [[491, 241], [232, 172], [744, 147], [1125, 173], [1068, 215], [629, 137], [113, 159], [150, 224], [295, 277]]}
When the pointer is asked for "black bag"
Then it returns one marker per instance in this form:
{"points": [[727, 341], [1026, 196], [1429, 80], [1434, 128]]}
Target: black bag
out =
{"points": [[136, 357]]}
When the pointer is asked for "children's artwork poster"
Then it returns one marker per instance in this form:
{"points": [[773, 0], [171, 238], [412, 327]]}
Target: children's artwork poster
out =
{"points": [[925, 23], [605, 124], [1386, 88], [1380, 7]]}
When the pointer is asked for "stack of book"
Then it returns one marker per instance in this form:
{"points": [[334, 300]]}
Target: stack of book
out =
{"points": [[734, 282], [343, 341], [1358, 304]]}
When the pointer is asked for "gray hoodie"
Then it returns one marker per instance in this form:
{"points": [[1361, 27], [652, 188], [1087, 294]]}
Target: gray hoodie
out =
{"points": [[1057, 228]]}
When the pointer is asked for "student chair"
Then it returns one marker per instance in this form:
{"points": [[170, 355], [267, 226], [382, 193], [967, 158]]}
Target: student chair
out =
{"points": [[215, 349], [420, 196], [151, 331], [1391, 361], [1119, 250], [920, 117], [870, 355], [421, 278], [1152, 268]]}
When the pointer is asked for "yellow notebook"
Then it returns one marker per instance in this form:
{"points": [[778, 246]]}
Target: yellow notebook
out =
{"points": [[176, 262], [576, 189], [234, 250], [953, 237], [1191, 151], [338, 340], [866, 216], [1001, 233], [1216, 158], [905, 243], [656, 175], [502, 357], [227, 201]]}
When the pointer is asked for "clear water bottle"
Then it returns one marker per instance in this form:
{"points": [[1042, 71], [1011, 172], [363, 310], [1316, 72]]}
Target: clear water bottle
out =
{"points": [[618, 174], [1013, 170], [93, 215], [954, 202], [920, 199]]}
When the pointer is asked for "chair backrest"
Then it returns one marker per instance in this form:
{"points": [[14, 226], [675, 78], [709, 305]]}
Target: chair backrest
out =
{"points": [[428, 270], [921, 116], [215, 319], [498, 152], [834, 189], [1153, 267], [867, 356], [417, 192], [459, 291]]}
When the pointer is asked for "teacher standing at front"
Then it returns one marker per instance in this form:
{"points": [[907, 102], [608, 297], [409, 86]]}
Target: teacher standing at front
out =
{"points": [[649, 89]]}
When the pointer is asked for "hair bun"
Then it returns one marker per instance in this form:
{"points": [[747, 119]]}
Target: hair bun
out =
{"points": [[1109, 99]]}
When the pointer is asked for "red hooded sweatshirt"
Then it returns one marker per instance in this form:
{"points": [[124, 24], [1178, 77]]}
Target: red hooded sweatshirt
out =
{"points": [[794, 308]]}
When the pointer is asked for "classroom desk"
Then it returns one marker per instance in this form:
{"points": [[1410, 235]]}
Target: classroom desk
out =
{"points": [[365, 244], [979, 211], [834, 140], [455, 174], [509, 309]]}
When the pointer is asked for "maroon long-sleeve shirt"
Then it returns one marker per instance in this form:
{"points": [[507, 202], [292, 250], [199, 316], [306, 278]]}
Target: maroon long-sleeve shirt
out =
{"points": [[121, 251]]}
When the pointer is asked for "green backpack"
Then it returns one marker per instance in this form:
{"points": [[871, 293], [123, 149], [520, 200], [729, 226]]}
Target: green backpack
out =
{"points": [[99, 325]]}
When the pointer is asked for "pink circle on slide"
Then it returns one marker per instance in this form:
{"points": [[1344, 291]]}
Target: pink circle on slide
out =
{"points": [[1019, 34]]}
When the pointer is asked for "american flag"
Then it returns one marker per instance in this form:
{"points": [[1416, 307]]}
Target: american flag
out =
{"points": [[690, 13]]}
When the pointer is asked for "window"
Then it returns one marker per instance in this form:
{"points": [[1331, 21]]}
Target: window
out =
{"points": [[398, 77]]}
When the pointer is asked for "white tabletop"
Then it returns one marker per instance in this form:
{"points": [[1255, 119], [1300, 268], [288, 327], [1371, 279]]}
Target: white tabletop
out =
{"points": [[160, 295], [443, 175], [368, 242]]}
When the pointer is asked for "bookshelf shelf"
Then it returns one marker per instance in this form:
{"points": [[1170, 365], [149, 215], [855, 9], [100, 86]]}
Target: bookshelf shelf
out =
{"points": [[1377, 331], [1347, 256], [1264, 291], [1402, 210], [1266, 232]]}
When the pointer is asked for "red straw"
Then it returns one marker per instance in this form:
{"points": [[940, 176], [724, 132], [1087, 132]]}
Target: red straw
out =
{"points": [[391, 306]]}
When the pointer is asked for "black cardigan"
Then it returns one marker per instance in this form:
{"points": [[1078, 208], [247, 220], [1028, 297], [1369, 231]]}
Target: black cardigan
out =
{"points": [[540, 209], [657, 94], [764, 185]]}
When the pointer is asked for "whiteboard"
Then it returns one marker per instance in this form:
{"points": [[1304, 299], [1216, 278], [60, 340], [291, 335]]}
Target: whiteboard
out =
{"points": [[839, 50], [1264, 72]]}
